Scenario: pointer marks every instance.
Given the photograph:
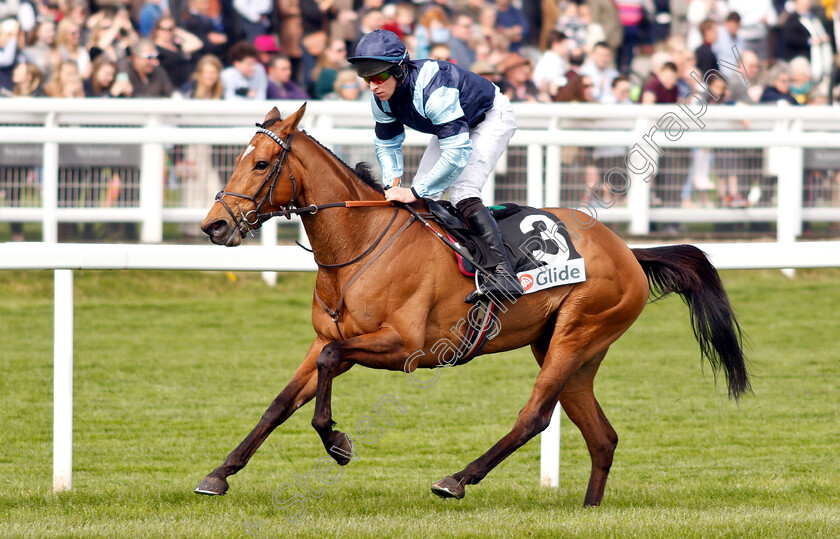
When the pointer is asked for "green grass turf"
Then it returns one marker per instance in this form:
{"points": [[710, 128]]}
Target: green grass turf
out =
{"points": [[172, 369]]}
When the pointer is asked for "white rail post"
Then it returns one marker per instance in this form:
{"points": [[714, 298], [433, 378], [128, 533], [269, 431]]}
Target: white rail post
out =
{"points": [[553, 169], [151, 187], [638, 197], [550, 451], [534, 181], [63, 381], [49, 193], [789, 215], [268, 238]]}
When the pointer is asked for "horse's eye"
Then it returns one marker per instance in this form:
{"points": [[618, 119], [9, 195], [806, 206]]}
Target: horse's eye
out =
{"points": [[261, 165]]}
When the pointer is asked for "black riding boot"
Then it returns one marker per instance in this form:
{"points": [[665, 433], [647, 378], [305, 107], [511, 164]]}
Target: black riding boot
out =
{"points": [[503, 283]]}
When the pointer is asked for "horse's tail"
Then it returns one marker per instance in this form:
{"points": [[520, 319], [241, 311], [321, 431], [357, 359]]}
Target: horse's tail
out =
{"points": [[684, 269]]}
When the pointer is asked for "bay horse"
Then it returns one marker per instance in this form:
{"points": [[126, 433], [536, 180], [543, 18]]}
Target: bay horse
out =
{"points": [[407, 299]]}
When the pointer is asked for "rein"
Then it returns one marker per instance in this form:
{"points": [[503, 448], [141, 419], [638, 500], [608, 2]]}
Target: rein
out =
{"points": [[247, 222]]}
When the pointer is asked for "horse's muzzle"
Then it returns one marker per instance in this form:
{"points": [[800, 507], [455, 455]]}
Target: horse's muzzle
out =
{"points": [[222, 233]]}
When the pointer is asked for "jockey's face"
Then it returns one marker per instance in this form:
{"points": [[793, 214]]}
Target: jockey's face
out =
{"points": [[384, 90]]}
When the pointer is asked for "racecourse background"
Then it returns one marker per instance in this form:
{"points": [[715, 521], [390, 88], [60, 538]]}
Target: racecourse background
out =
{"points": [[159, 163]]}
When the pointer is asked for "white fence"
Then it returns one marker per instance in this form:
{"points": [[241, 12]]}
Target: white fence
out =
{"points": [[781, 136], [64, 258]]}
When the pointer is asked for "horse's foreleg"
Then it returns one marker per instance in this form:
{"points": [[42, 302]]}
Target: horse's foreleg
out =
{"points": [[381, 349], [297, 392]]}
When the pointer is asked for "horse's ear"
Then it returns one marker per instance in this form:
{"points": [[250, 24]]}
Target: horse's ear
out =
{"points": [[273, 115], [293, 120]]}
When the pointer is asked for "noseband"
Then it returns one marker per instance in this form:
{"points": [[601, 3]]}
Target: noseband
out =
{"points": [[248, 221]]}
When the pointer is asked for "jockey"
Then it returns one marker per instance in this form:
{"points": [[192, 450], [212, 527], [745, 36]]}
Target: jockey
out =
{"points": [[471, 123]]}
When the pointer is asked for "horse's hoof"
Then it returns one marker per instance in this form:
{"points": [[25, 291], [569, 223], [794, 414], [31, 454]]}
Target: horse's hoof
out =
{"points": [[449, 487], [342, 449], [212, 486]]}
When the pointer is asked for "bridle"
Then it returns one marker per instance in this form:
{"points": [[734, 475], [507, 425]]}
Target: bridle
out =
{"points": [[253, 219]]}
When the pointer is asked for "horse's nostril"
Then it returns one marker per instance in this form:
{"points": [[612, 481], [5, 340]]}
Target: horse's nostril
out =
{"points": [[216, 227]]}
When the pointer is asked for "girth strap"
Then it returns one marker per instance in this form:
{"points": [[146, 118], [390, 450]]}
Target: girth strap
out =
{"points": [[336, 313]]}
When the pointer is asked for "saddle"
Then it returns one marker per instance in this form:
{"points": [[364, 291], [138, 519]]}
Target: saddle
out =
{"points": [[532, 237]]}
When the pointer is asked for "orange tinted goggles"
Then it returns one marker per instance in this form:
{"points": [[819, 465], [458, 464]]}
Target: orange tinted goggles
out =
{"points": [[379, 78]]}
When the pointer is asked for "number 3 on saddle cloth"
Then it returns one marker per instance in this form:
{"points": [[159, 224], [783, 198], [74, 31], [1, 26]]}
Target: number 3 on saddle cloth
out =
{"points": [[538, 245], [539, 249]]}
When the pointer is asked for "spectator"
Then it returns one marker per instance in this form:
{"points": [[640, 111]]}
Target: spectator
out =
{"points": [[206, 81], [253, 17], [706, 59], [579, 90], [599, 71], [208, 29], [103, 82], [619, 93], [594, 31], [756, 17], [9, 32], [147, 78], [605, 13], [27, 83], [433, 27], [498, 43], [550, 72], [112, 36], [516, 83], [314, 20], [749, 91], [291, 35], [280, 83], [805, 35], [511, 22], [486, 70], [326, 68], [78, 12], [27, 79], [177, 50], [47, 10], [148, 17], [461, 41], [198, 178], [801, 85], [631, 15], [69, 46], [573, 27], [777, 88], [41, 50], [404, 21], [662, 87], [266, 45], [347, 87], [245, 78], [442, 52], [686, 62], [65, 81], [699, 11], [728, 37]]}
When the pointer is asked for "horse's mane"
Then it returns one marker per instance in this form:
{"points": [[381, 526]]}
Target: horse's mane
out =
{"points": [[363, 170]]}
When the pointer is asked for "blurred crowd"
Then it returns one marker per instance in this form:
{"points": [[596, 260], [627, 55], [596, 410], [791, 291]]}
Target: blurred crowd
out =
{"points": [[610, 51]]}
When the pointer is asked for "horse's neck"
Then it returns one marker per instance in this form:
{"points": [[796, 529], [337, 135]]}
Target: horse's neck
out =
{"points": [[339, 234]]}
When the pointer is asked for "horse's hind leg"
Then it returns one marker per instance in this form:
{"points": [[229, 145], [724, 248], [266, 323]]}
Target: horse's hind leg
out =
{"points": [[579, 403], [297, 392], [561, 361]]}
